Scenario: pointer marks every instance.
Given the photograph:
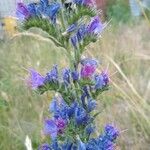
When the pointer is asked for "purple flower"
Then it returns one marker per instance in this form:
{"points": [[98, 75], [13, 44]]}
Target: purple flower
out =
{"points": [[87, 71], [53, 127], [35, 80], [45, 147], [52, 76], [22, 11], [61, 124], [101, 80], [88, 67], [95, 27], [89, 2]]}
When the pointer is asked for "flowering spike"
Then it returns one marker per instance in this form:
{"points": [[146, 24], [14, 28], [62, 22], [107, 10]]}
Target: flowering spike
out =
{"points": [[73, 25]]}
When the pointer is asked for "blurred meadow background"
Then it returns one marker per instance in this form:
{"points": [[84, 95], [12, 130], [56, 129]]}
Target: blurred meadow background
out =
{"points": [[124, 48]]}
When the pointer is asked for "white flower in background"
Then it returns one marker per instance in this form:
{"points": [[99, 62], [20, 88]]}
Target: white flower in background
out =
{"points": [[28, 143]]}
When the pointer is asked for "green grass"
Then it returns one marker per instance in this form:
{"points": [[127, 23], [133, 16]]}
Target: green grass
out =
{"points": [[125, 51]]}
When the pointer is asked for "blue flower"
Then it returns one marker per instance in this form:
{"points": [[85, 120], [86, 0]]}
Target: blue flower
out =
{"points": [[71, 109], [52, 76], [92, 145], [90, 129], [66, 76], [32, 8], [95, 27], [111, 132], [52, 10], [53, 127], [50, 128], [101, 80], [81, 145], [91, 105], [43, 5], [72, 28], [104, 141], [54, 106], [89, 61], [55, 145], [75, 75], [81, 117], [82, 32], [79, 2], [67, 145], [45, 147], [35, 80], [100, 144], [84, 2], [105, 144], [74, 41], [59, 108]]}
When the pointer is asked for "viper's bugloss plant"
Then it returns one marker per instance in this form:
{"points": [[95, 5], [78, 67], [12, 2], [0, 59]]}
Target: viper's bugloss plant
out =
{"points": [[72, 25]]}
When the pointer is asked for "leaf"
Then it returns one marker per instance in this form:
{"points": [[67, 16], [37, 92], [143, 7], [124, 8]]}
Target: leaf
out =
{"points": [[44, 34]]}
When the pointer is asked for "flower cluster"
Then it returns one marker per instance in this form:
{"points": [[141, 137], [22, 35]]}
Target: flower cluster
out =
{"points": [[43, 9], [84, 82], [74, 107]]}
